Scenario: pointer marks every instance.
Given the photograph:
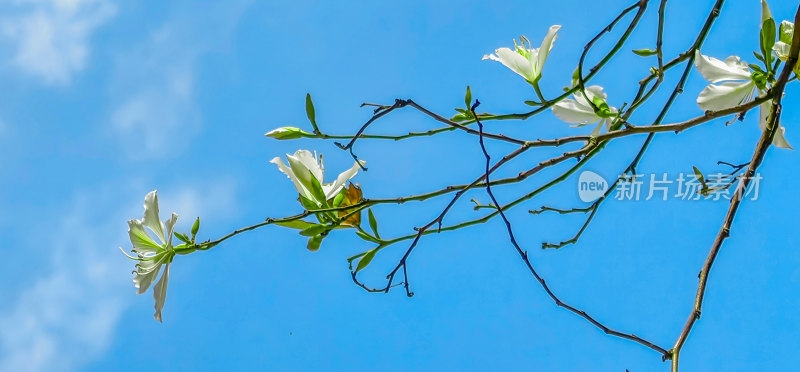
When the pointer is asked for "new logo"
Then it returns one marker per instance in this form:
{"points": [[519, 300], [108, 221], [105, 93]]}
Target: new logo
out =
{"points": [[591, 186]]}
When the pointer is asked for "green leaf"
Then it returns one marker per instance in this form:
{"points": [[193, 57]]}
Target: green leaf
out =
{"points": [[699, 176], [314, 230], [316, 189], [760, 78], [645, 52], [314, 243], [183, 238], [759, 57], [756, 67], [366, 259], [296, 224], [367, 237], [468, 98], [338, 199], [352, 258], [575, 76], [308, 204], [373, 223], [195, 227], [462, 115], [311, 113], [458, 117], [768, 34]]}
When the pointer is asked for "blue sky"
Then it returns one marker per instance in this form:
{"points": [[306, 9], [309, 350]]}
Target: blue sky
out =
{"points": [[105, 101]]}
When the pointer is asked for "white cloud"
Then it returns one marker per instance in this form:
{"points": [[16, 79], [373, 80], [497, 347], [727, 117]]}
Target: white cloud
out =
{"points": [[67, 317], [158, 104], [51, 37], [215, 202], [154, 83]]}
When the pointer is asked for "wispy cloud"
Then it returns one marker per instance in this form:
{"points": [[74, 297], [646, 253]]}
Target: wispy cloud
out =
{"points": [[67, 317], [51, 37], [158, 80], [154, 82]]}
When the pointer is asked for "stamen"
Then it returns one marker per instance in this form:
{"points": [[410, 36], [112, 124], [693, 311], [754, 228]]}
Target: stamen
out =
{"points": [[127, 255]]}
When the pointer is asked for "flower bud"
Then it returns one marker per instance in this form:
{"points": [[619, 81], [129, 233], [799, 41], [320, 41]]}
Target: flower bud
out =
{"points": [[287, 133]]}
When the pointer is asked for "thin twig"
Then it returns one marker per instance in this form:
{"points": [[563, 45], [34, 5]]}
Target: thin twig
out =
{"points": [[524, 256]]}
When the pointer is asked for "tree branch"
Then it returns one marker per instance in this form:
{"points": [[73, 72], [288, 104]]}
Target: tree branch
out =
{"points": [[758, 156]]}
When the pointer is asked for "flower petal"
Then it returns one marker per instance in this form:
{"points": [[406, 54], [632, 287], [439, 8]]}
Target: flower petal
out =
{"points": [[160, 292], [146, 272], [150, 219], [763, 114], [142, 243], [544, 50], [782, 50], [580, 110], [170, 225], [597, 129], [785, 32], [305, 166], [309, 161], [595, 91], [779, 140], [289, 173], [574, 112], [725, 95], [334, 188], [714, 70], [515, 61], [490, 57]]}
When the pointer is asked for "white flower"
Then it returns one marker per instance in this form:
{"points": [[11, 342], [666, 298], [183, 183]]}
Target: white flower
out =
{"points": [[731, 84], [784, 44], [305, 168], [525, 61], [151, 254], [579, 111]]}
